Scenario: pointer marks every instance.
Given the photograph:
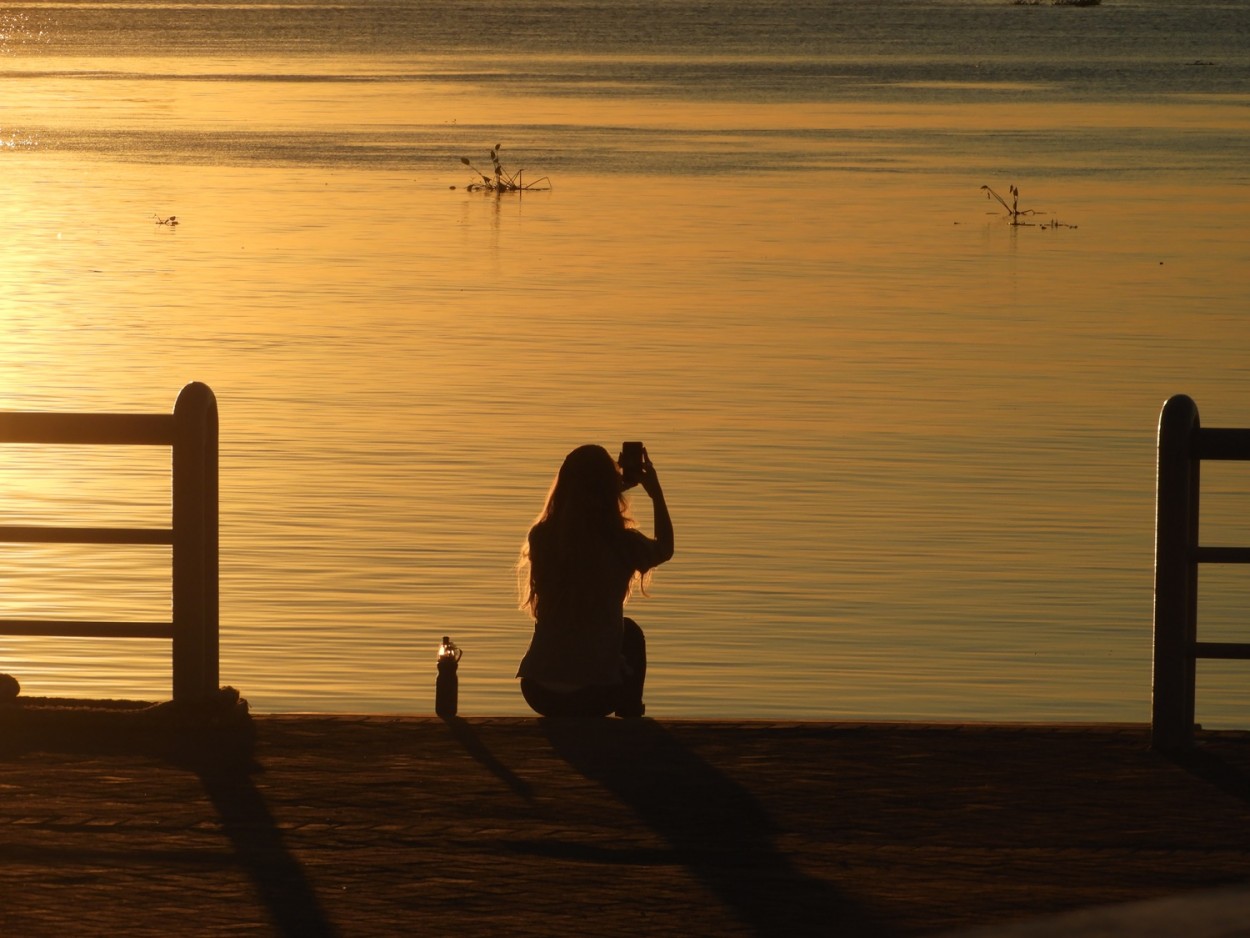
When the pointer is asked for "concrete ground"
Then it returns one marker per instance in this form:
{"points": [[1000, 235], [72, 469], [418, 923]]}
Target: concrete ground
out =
{"points": [[304, 825]]}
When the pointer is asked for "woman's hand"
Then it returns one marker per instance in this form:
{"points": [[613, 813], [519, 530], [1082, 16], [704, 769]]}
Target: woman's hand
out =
{"points": [[647, 477]]}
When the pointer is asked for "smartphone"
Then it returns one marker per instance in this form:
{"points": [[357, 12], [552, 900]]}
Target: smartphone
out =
{"points": [[631, 463]]}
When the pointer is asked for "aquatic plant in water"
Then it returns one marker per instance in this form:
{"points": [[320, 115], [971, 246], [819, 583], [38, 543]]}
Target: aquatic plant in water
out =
{"points": [[1014, 212], [502, 181], [1014, 208]]}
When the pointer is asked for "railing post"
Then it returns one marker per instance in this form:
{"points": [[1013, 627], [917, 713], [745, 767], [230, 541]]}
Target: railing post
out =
{"points": [[1176, 576], [195, 547]]}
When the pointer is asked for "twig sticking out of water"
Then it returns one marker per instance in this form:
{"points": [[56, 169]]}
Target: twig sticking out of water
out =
{"points": [[171, 221], [1015, 199], [1015, 213], [1013, 210], [502, 181]]}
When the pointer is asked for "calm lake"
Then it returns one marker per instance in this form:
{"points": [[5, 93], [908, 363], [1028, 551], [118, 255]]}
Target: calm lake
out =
{"points": [[909, 447]]}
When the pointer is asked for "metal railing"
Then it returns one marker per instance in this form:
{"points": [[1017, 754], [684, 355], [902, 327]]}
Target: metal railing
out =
{"points": [[1183, 445], [191, 432]]}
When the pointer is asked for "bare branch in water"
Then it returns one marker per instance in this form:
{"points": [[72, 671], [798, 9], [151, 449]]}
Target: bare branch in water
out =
{"points": [[501, 180], [1014, 212]]}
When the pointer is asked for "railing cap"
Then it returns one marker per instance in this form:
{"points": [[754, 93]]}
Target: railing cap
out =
{"points": [[1179, 415], [195, 396]]}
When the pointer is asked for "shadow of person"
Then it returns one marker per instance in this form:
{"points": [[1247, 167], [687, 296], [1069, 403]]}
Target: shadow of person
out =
{"points": [[715, 827]]}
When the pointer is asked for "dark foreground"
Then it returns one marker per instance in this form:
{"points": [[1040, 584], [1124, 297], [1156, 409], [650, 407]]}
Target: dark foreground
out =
{"points": [[310, 825]]}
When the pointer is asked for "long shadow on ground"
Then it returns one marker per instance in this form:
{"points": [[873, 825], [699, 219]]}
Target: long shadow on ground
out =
{"points": [[716, 827], [465, 735], [222, 758], [257, 840], [1218, 766]]}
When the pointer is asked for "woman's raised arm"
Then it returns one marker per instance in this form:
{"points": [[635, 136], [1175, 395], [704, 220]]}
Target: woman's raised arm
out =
{"points": [[663, 526]]}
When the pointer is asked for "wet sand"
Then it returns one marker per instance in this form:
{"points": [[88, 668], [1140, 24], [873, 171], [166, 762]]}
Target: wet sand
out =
{"points": [[377, 825]]}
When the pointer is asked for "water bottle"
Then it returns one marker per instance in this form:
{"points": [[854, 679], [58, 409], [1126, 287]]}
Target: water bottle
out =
{"points": [[447, 686]]}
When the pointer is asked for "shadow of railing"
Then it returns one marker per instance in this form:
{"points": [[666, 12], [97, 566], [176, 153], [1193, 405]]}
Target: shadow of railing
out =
{"points": [[1215, 769], [715, 827], [223, 759], [280, 880]]}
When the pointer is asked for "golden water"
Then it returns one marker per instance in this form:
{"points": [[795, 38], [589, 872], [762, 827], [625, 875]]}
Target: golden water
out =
{"points": [[909, 448]]}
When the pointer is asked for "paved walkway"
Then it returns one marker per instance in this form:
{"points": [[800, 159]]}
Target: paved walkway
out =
{"points": [[319, 825]]}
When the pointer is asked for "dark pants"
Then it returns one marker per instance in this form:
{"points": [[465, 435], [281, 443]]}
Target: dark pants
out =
{"points": [[598, 700]]}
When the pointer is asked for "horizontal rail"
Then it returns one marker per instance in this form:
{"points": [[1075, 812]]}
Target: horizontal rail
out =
{"points": [[86, 629], [87, 429], [1222, 444], [192, 434], [40, 534], [1229, 650], [1222, 554]]}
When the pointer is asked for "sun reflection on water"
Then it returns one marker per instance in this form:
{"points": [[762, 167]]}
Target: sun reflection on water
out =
{"points": [[906, 442]]}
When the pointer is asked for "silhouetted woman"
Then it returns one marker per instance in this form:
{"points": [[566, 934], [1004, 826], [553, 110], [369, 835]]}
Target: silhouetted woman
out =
{"points": [[578, 567]]}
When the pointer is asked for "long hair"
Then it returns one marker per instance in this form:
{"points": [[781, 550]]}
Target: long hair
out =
{"points": [[570, 555]]}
